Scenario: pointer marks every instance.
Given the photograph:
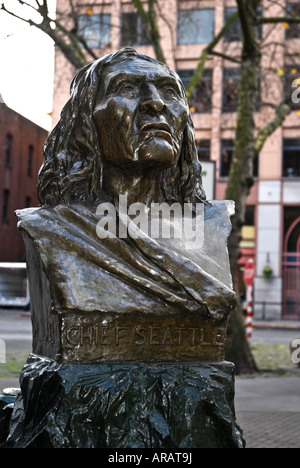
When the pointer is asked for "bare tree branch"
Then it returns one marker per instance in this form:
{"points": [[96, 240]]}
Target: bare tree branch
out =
{"points": [[150, 21], [169, 25], [71, 50], [282, 111], [28, 21], [206, 52], [226, 57], [277, 20], [29, 5], [87, 48]]}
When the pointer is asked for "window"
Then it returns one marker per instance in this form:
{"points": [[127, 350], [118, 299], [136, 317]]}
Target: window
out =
{"points": [[293, 31], [226, 157], [5, 206], [234, 34], [133, 31], [256, 167], [250, 216], [248, 229], [291, 157], [201, 100], [291, 213], [195, 26], [30, 160], [8, 149], [231, 81], [291, 82], [204, 149], [95, 30]]}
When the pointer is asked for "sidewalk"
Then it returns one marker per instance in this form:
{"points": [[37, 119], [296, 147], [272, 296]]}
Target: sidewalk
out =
{"points": [[268, 411], [281, 324], [8, 383]]}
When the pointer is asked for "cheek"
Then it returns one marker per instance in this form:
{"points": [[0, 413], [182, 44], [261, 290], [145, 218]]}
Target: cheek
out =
{"points": [[180, 116], [114, 123], [116, 117], [105, 114]]}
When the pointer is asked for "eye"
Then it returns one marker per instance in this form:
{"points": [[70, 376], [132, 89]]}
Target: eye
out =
{"points": [[127, 90], [168, 92]]}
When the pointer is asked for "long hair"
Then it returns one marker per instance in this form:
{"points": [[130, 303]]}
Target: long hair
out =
{"points": [[72, 171]]}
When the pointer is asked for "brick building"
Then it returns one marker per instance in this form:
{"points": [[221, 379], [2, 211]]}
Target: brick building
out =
{"points": [[272, 232], [21, 156]]}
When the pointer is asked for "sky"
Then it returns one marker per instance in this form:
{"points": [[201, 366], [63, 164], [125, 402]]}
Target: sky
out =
{"points": [[26, 68]]}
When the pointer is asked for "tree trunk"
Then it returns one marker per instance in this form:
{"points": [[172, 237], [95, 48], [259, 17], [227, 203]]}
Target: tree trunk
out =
{"points": [[241, 173], [149, 19]]}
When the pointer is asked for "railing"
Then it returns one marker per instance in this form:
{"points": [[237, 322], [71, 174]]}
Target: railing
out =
{"points": [[291, 285], [265, 304]]}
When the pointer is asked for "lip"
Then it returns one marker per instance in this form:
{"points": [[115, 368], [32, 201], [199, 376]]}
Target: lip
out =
{"points": [[156, 126]]}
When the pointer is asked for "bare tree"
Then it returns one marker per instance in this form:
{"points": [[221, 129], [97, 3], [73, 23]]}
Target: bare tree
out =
{"points": [[69, 35], [248, 142]]}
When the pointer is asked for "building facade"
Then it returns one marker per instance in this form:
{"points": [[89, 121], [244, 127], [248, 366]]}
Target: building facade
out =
{"points": [[21, 156], [272, 232]]}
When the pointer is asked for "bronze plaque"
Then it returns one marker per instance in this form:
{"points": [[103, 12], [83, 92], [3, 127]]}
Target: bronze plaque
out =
{"points": [[142, 338]]}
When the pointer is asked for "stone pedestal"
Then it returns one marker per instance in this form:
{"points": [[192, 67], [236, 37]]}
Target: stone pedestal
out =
{"points": [[124, 405], [132, 336]]}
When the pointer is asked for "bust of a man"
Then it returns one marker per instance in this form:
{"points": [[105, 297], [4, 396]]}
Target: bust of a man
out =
{"points": [[99, 291]]}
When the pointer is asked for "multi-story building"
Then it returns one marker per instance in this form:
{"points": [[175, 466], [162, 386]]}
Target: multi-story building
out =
{"points": [[272, 232], [21, 156]]}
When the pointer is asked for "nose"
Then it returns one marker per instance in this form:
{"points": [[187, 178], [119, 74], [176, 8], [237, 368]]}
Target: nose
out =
{"points": [[151, 99]]}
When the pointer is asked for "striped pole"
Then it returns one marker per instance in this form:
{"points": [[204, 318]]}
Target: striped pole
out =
{"points": [[249, 318]]}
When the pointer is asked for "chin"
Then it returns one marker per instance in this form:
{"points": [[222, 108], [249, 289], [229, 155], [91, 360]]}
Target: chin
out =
{"points": [[156, 153]]}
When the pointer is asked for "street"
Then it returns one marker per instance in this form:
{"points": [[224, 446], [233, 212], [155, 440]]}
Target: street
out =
{"points": [[274, 336], [15, 329]]}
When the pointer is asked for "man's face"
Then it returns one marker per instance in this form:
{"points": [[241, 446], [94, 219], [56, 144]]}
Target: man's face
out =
{"points": [[141, 115]]}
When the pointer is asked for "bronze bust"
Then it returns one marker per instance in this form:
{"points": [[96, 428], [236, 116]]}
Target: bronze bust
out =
{"points": [[126, 131], [129, 302]]}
